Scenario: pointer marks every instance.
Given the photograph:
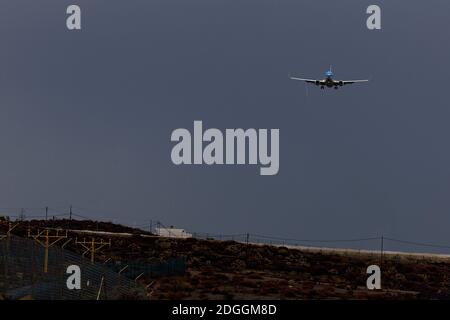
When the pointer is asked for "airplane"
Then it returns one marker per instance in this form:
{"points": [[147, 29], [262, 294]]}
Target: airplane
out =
{"points": [[329, 82]]}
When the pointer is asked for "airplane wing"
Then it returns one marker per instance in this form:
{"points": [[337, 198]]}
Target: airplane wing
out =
{"points": [[353, 81], [305, 80]]}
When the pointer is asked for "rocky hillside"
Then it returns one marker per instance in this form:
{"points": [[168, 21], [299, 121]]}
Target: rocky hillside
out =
{"points": [[231, 270]]}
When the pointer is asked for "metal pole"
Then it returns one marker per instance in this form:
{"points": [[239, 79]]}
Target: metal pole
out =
{"points": [[47, 244], [46, 213], [92, 251], [100, 289], [6, 258], [382, 249]]}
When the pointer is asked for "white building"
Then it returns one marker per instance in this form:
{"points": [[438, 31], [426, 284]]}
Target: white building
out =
{"points": [[172, 233]]}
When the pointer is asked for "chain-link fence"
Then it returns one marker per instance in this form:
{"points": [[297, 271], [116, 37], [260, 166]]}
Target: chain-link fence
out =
{"points": [[23, 276], [133, 270]]}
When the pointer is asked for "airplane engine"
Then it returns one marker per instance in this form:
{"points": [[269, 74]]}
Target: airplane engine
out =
{"points": [[341, 83], [317, 82]]}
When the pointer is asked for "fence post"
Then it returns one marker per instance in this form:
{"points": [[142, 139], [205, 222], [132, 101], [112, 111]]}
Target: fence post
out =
{"points": [[33, 268], [381, 253], [4, 260], [100, 289], [62, 264]]}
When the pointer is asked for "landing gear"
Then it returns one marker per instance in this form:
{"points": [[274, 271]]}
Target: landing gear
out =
{"points": [[335, 88], [322, 87]]}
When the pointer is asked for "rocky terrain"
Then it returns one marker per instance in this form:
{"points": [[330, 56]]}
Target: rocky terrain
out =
{"points": [[231, 270]]}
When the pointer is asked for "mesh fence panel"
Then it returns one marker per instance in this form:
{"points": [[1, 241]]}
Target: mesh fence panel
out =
{"points": [[132, 270], [22, 275]]}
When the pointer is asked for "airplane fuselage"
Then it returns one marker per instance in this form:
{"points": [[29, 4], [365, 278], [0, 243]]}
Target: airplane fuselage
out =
{"points": [[329, 83]]}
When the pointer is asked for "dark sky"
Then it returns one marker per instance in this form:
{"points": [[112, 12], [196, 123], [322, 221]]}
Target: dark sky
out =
{"points": [[86, 117]]}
